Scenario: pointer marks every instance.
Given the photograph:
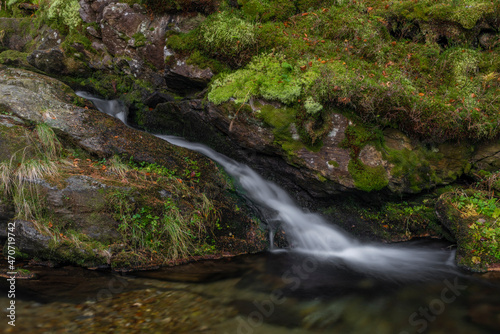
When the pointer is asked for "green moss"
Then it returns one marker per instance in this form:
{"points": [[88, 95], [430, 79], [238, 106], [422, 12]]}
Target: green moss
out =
{"points": [[268, 76], [183, 42], [343, 55], [464, 12], [357, 136], [320, 177], [202, 61], [139, 39], [472, 216], [333, 163], [14, 58], [404, 220], [281, 120], [18, 255], [75, 248], [367, 178], [415, 166], [228, 37]]}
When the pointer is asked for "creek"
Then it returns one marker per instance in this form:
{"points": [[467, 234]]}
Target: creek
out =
{"points": [[326, 281]]}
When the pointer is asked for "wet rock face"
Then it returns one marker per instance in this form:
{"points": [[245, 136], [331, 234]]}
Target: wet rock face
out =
{"points": [[487, 156], [28, 237], [184, 78], [91, 10], [118, 25], [406, 166], [81, 205], [50, 61]]}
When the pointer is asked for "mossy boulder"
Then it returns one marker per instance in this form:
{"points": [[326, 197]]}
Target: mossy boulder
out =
{"points": [[351, 157], [14, 34], [473, 229], [14, 58], [487, 156], [76, 202]]}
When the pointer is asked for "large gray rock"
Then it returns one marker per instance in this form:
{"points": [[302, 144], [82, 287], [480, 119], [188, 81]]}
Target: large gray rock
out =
{"points": [[49, 61], [78, 202], [398, 165], [29, 239], [185, 78], [81, 205]]}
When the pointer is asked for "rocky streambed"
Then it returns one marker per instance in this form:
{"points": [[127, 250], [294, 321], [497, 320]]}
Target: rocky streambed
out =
{"points": [[266, 293]]}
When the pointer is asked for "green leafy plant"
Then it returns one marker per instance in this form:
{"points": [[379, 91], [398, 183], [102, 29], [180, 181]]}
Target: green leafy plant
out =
{"points": [[477, 204], [486, 238], [153, 168]]}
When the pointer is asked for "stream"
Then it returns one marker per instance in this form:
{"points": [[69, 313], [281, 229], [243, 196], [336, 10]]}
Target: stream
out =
{"points": [[325, 282]]}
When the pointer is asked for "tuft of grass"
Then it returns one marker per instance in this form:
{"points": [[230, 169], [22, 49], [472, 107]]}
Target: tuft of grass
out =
{"points": [[163, 228], [19, 179], [20, 182], [118, 167], [50, 144]]}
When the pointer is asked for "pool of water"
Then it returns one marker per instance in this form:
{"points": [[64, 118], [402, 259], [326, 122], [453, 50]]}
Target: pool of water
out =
{"points": [[277, 292]]}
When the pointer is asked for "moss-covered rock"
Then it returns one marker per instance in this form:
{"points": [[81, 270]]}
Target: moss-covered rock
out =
{"points": [[14, 58], [472, 219], [75, 213]]}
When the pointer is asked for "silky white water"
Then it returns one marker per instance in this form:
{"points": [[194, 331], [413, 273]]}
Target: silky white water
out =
{"points": [[309, 233], [114, 108]]}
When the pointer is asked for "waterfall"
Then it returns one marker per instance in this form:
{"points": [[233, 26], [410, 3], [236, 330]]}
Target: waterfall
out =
{"points": [[114, 108], [309, 233]]}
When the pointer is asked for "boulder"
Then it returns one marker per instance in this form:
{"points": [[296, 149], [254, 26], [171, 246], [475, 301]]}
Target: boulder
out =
{"points": [[391, 163], [49, 61], [29, 239], [81, 205], [184, 78], [78, 202], [466, 225]]}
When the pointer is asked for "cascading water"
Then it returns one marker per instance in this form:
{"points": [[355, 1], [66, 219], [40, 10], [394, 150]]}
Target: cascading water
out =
{"points": [[114, 108], [309, 233]]}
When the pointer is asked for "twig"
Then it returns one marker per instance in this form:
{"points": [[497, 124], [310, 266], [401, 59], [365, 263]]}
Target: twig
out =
{"points": [[237, 111]]}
